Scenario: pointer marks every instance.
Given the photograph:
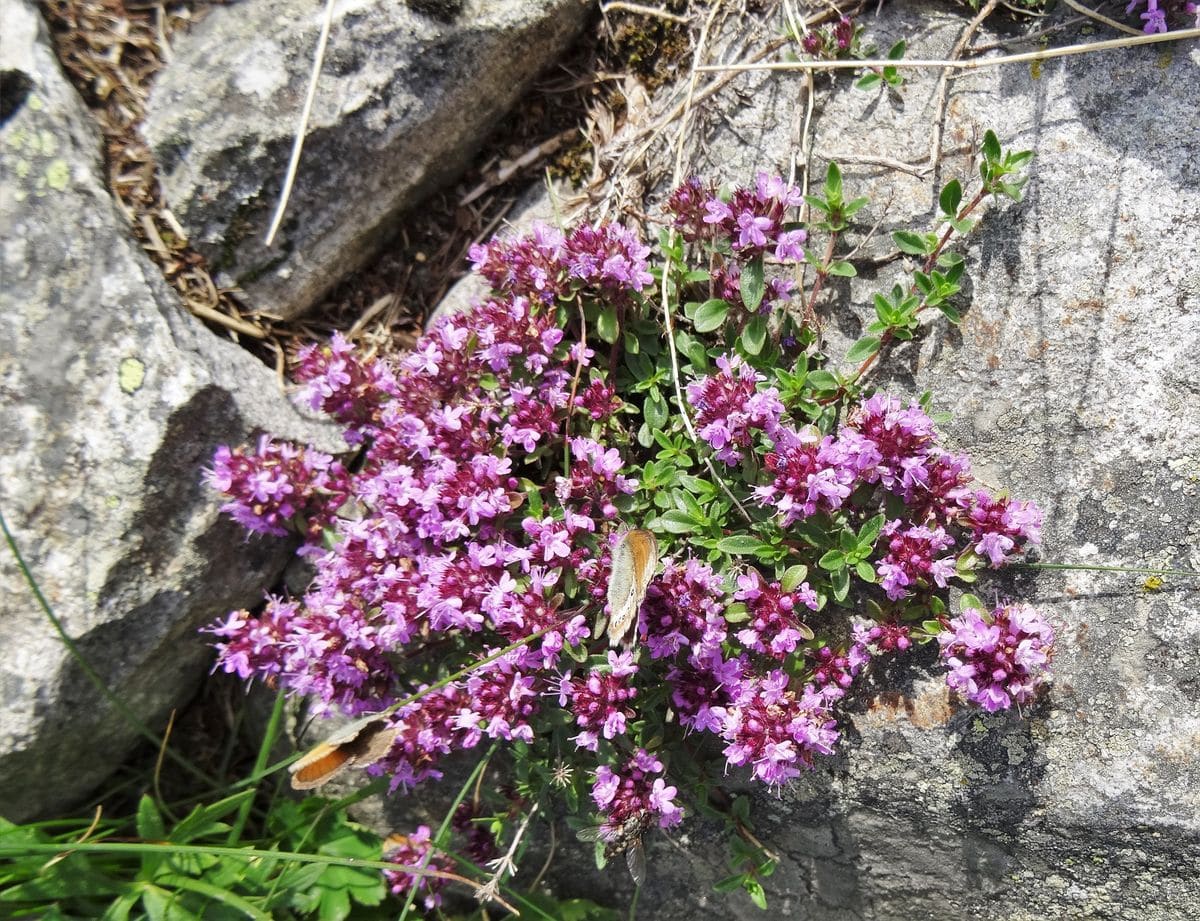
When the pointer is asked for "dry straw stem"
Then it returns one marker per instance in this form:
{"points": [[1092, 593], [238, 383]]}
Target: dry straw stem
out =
{"points": [[1092, 14], [1044, 55], [302, 127], [618, 5]]}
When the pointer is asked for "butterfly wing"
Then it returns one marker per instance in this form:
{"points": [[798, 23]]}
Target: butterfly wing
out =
{"points": [[359, 744], [622, 591]]}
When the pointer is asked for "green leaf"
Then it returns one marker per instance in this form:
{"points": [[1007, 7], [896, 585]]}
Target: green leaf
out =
{"points": [[757, 894], [870, 531], [206, 820], [822, 380], [736, 613], [730, 883], [677, 522], [855, 205], [841, 584], [793, 577], [740, 544], [833, 183], [842, 270], [991, 146], [692, 348], [863, 348], [951, 198], [969, 602], [654, 410], [865, 571], [869, 81], [897, 50], [149, 820], [754, 336], [911, 243], [217, 894], [710, 315], [639, 365], [606, 325], [951, 313], [533, 496], [832, 560], [752, 284]]}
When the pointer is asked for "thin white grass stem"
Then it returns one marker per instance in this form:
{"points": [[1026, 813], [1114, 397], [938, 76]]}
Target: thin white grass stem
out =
{"points": [[642, 11], [974, 64], [666, 280], [302, 127]]}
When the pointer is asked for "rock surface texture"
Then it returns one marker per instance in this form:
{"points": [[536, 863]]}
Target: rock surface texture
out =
{"points": [[1072, 380], [113, 401], [408, 92]]}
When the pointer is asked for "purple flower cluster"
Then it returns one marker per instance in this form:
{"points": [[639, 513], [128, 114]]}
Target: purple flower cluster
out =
{"points": [[997, 659], [751, 223], [914, 555], [606, 259], [416, 850], [280, 486], [730, 408], [774, 628], [452, 538], [344, 387], [775, 731], [601, 700], [884, 444], [633, 793], [426, 541], [595, 479], [1155, 14], [830, 42], [763, 723]]}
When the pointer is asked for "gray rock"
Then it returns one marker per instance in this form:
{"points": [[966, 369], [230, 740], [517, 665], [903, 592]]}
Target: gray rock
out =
{"points": [[1073, 381], [408, 92], [113, 401]]}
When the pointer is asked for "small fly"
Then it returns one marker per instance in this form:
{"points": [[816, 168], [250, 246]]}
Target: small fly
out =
{"points": [[627, 840]]}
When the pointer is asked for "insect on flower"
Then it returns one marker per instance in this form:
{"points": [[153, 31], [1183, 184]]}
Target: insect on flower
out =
{"points": [[625, 839], [361, 743], [633, 561]]}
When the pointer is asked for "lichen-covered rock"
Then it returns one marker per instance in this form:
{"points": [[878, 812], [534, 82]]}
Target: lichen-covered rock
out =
{"points": [[408, 92], [112, 401], [1073, 380]]}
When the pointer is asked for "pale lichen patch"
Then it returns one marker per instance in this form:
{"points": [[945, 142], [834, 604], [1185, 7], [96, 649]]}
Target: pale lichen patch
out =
{"points": [[131, 375]]}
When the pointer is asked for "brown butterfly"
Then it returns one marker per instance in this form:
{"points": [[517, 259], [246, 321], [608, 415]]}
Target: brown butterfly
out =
{"points": [[359, 744], [633, 561]]}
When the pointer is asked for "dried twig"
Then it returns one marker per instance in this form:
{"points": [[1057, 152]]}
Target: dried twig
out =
{"points": [[1099, 17], [510, 169], [637, 8]]}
